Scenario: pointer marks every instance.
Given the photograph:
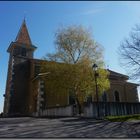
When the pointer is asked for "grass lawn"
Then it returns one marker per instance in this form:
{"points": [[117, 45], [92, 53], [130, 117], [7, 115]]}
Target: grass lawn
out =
{"points": [[123, 118]]}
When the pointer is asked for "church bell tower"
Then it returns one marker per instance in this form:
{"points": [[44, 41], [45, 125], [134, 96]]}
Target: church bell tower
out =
{"points": [[20, 51]]}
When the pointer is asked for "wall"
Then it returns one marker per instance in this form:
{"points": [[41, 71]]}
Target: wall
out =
{"points": [[56, 112], [132, 95]]}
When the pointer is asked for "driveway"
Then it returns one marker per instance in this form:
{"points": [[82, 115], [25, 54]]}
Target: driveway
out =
{"points": [[70, 127]]}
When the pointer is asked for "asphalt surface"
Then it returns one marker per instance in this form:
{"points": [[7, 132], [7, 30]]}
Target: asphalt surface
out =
{"points": [[70, 127]]}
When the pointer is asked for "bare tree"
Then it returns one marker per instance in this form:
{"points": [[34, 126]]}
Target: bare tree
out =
{"points": [[130, 53]]}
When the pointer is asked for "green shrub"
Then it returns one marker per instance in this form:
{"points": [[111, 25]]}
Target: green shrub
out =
{"points": [[124, 117]]}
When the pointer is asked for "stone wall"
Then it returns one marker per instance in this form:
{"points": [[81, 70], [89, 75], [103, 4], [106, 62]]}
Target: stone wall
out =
{"points": [[64, 111]]}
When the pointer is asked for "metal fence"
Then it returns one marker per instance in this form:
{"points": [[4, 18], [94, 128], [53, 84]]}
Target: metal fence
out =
{"points": [[111, 109], [90, 110]]}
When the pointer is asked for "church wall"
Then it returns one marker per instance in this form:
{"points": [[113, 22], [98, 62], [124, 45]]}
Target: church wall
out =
{"points": [[116, 87], [132, 95]]}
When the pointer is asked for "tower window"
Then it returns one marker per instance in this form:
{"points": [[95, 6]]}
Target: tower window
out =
{"points": [[23, 52], [16, 51]]}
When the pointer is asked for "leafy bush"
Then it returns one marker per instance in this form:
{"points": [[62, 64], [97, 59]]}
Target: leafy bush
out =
{"points": [[123, 118]]}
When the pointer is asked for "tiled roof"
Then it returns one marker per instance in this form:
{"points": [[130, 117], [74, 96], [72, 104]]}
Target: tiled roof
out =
{"points": [[23, 35]]}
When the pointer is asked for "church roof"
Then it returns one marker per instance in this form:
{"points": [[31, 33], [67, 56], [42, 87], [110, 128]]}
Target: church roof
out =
{"points": [[23, 35], [116, 74]]}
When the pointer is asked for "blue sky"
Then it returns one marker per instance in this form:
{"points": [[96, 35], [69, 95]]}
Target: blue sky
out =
{"points": [[110, 22]]}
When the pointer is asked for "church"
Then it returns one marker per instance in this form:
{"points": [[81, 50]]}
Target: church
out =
{"points": [[25, 93]]}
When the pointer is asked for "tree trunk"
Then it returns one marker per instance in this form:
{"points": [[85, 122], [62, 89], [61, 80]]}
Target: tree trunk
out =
{"points": [[78, 105]]}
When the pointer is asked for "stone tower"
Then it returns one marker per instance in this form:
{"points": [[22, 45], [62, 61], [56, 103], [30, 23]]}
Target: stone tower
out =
{"points": [[20, 51]]}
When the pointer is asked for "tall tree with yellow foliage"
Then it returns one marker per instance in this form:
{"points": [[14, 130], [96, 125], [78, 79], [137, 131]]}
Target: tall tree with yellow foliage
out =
{"points": [[71, 64]]}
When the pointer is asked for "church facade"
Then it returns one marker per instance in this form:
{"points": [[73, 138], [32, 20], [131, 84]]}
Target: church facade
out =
{"points": [[26, 93]]}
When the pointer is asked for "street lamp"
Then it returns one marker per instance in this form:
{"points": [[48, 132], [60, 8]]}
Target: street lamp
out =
{"points": [[95, 67], [39, 76]]}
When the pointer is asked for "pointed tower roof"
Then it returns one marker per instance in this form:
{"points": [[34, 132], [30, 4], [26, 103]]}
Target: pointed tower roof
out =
{"points": [[22, 39], [23, 35]]}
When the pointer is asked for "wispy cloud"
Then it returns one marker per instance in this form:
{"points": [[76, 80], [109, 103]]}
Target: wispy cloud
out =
{"points": [[93, 11]]}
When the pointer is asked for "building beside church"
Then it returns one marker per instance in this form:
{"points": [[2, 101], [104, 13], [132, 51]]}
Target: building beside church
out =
{"points": [[23, 95]]}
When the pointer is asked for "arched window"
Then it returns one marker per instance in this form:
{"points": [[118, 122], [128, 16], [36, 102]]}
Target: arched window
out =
{"points": [[104, 97], [116, 96]]}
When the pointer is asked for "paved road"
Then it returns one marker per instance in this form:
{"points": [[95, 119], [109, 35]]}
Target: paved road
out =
{"points": [[67, 128]]}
